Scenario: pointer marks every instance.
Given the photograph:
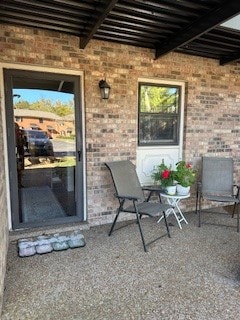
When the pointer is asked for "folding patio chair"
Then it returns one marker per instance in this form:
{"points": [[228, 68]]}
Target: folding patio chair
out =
{"points": [[216, 184], [131, 196]]}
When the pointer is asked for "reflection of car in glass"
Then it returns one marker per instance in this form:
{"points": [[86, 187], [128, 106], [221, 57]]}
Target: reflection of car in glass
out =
{"points": [[37, 143]]}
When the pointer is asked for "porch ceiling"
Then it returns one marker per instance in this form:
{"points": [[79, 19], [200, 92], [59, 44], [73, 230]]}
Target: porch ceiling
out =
{"points": [[190, 27]]}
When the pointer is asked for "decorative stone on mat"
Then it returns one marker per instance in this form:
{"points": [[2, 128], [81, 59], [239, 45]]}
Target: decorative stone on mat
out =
{"points": [[59, 242], [43, 245], [26, 248], [76, 240]]}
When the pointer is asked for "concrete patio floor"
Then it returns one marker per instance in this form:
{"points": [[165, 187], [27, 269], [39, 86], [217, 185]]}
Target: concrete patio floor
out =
{"points": [[193, 275]]}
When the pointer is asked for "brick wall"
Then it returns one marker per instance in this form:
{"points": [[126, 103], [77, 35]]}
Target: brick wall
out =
{"points": [[212, 120], [3, 216]]}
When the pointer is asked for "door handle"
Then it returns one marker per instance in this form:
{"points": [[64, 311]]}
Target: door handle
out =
{"points": [[79, 155]]}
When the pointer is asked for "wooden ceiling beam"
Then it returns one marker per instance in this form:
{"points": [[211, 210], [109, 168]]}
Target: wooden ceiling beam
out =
{"points": [[207, 22], [73, 3], [53, 4], [164, 6], [176, 5], [84, 40], [136, 26], [48, 18], [121, 16], [126, 41], [40, 19], [35, 24], [149, 13], [122, 35], [230, 58], [35, 8], [143, 32]]}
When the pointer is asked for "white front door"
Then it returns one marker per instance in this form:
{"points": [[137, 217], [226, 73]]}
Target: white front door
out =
{"points": [[160, 125]]}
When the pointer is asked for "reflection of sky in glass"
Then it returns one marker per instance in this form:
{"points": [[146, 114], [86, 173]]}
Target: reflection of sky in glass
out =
{"points": [[32, 95], [172, 90]]}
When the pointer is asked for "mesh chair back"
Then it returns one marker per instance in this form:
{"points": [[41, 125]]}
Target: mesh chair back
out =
{"points": [[125, 179], [217, 175]]}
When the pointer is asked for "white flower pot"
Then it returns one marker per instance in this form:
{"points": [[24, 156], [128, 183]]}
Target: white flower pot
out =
{"points": [[183, 191], [171, 190]]}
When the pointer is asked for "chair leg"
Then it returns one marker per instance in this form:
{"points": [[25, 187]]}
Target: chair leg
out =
{"points": [[113, 224], [234, 207], [166, 223], [199, 212], [140, 229], [197, 200], [238, 217]]}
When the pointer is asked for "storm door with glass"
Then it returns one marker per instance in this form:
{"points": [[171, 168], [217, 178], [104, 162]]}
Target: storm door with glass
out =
{"points": [[44, 132]]}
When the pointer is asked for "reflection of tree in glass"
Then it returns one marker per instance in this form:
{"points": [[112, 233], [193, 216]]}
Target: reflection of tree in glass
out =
{"points": [[59, 108], [155, 128], [159, 99]]}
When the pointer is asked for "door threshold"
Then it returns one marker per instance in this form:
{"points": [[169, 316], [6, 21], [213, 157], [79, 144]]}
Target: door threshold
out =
{"points": [[15, 235]]}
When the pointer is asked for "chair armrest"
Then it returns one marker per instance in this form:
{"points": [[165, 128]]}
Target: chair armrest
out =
{"points": [[147, 188], [125, 197], [152, 188]]}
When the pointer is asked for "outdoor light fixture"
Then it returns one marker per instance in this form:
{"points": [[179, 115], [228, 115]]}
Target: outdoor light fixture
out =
{"points": [[104, 89]]}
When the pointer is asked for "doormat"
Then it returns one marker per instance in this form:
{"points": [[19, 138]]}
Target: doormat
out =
{"points": [[46, 244], [40, 204]]}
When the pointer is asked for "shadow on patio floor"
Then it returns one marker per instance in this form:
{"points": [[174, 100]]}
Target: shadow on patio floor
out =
{"points": [[193, 275]]}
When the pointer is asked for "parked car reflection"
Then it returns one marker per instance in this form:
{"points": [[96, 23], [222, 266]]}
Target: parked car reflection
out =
{"points": [[37, 143]]}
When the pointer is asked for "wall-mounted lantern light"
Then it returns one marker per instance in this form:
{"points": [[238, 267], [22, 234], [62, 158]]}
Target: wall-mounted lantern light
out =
{"points": [[104, 89]]}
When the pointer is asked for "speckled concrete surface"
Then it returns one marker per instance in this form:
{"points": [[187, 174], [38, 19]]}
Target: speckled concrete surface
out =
{"points": [[193, 275]]}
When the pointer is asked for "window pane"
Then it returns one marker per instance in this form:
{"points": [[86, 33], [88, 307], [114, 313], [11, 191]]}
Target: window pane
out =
{"points": [[158, 114], [159, 99], [157, 130]]}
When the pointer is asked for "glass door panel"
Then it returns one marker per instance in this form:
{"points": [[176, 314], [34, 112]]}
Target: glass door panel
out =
{"points": [[45, 149]]}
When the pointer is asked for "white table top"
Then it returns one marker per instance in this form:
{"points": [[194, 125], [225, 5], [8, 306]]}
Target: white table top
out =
{"points": [[174, 196]]}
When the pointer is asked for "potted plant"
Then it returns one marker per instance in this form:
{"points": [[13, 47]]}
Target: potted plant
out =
{"points": [[185, 176], [163, 175]]}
